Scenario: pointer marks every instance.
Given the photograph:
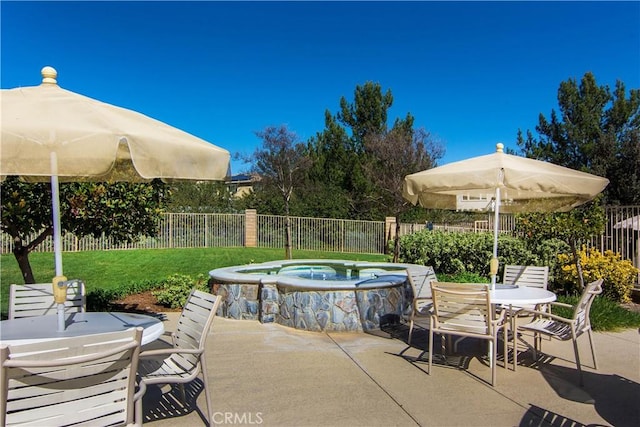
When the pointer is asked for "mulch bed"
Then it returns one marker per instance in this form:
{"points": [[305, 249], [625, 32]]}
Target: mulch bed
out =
{"points": [[144, 302]]}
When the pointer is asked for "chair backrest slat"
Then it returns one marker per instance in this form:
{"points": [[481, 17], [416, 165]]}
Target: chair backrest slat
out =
{"points": [[88, 379], [420, 280], [193, 326], [462, 307], [195, 320], [37, 299], [526, 275], [583, 307]]}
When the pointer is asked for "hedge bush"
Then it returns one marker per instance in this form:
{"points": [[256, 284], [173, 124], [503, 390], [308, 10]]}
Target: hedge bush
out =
{"points": [[455, 253]]}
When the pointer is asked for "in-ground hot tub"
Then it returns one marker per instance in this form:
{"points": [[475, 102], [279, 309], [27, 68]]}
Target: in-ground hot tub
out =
{"points": [[315, 295]]}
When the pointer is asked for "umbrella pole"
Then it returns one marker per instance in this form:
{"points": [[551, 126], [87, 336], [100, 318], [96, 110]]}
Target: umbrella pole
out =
{"points": [[57, 282], [55, 200], [496, 224]]}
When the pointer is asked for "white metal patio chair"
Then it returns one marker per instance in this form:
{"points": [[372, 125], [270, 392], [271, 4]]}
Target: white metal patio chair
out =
{"points": [[465, 310], [526, 275], [87, 380], [420, 281], [183, 362], [523, 275], [37, 299], [564, 329]]}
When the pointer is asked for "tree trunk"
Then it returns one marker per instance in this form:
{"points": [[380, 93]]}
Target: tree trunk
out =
{"points": [[576, 258], [21, 253], [287, 243]]}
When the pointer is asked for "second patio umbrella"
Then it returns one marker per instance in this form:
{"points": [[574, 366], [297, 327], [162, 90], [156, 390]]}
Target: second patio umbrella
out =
{"points": [[509, 183]]}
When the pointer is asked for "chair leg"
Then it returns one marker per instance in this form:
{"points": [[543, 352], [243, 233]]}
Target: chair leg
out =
{"points": [[505, 348], [410, 330], [514, 338], [430, 348], [456, 342], [537, 344], [139, 413], [593, 350], [575, 350], [207, 394], [492, 350]]}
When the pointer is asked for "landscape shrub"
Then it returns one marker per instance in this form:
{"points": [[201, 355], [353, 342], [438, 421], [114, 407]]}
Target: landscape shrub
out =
{"points": [[618, 274], [454, 253], [176, 288], [547, 252]]}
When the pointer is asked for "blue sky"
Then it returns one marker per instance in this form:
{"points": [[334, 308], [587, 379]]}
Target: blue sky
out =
{"points": [[471, 73]]}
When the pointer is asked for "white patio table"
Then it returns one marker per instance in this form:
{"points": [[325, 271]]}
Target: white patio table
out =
{"points": [[44, 328], [518, 296]]}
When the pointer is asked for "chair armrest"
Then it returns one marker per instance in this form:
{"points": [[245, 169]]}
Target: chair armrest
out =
{"points": [[560, 304], [420, 304], [169, 351], [501, 316], [537, 314], [421, 300]]}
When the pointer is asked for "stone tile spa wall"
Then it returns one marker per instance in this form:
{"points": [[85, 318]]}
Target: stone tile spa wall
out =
{"points": [[350, 306]]}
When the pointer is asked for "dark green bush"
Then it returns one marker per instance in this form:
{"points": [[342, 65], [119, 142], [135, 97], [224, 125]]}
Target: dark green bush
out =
{"points": [[455, 253], [176, 289]]}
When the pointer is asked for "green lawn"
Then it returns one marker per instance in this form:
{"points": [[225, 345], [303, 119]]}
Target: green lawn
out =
{"points": [[114, 269], [110, 269]]}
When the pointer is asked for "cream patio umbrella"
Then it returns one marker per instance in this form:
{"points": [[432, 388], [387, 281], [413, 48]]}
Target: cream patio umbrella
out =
{"points": [[49, 133], [510, 184]]}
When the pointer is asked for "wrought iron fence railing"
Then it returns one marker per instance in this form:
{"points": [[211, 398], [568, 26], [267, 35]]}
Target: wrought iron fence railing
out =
{"points": [[175, 230], [322, 234], [195, 230]]}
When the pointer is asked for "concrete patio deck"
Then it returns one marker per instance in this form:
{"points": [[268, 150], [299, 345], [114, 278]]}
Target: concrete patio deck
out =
{"points": [[270, 375]]}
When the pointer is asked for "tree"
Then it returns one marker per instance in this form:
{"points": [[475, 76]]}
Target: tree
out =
{"points": [[595, 131], [341, 159], [399, 152], [121, 210], [367, 114], [201, 196], [280, 163], [328, 183]]}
